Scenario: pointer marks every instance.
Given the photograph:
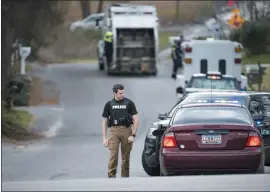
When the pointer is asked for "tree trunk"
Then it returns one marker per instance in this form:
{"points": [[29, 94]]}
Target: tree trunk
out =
{"points": [[250, 10], [100, 5], [177, 10], [8, 39], [85, 8], [255, 11]]}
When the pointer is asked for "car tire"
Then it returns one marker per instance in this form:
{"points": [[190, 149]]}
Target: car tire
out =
{"points": [[267, 162], [260, 170], [151, 171]]}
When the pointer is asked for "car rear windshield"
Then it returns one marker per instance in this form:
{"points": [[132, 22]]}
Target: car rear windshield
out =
{"points": [[212, 115], [243, 100], [205, 83]]}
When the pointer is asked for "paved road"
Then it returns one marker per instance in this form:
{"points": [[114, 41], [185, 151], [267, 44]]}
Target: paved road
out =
{"points": [[73, 147], [183, 183]]}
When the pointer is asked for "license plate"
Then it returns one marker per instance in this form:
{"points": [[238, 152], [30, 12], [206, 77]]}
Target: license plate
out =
{"points": [[211, 139]]}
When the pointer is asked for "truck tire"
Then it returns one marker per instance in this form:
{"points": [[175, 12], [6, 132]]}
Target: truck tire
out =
{"points": [[151, 171]]}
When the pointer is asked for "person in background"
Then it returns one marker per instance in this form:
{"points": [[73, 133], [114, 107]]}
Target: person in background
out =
{"points": [[177, 55], [108, 47]]}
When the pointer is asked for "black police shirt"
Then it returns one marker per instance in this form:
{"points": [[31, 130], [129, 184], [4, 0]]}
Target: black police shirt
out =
{"points": [[109, 109]]}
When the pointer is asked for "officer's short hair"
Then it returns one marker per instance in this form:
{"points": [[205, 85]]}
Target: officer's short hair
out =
{"points": [[117, 87]]}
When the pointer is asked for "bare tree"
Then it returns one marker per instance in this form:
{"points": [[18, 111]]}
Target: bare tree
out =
{"points": [[100, 5], [85, 8], [258, 9], [177, 2]]}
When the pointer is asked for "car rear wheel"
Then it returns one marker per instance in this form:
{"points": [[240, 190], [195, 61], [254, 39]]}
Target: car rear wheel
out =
{"points": [[260, 169], [151, 171]]}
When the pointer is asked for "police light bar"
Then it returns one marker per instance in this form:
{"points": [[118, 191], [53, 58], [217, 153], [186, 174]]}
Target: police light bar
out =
{"points": [[214, 75]]}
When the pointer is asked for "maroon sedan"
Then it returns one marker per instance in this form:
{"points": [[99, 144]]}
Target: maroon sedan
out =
{"points": [[212, 138]]}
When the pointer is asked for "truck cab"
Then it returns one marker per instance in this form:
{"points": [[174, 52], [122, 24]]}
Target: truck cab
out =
{"points": [[210, 58], [135, 38]]}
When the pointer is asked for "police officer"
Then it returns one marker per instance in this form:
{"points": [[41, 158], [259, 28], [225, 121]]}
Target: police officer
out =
{"points": [[119, 114], [108, 47], [176, 55]]}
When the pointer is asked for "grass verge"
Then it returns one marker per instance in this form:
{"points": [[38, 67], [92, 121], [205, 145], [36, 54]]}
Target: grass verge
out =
{"points": [[16, 124], [79, 60], [28, 67], [164, 39], [266, 82], [68, 45], [264, 58]]}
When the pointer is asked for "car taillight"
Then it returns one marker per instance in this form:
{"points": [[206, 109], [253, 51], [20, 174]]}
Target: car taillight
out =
{"points": [[253, 140], [188, 49], [237, 61], [169, 141]]}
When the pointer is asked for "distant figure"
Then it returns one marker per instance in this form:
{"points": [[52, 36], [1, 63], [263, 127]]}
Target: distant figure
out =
{"points": [[177, 55], [108, 47]]}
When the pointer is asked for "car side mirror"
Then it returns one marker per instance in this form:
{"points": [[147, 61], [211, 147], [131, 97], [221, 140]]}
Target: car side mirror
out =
{"points": [[158, 132], [180, 90], [162, 116]]}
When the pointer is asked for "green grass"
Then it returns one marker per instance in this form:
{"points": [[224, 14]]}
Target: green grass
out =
{"points": [[264, 58], [16, 123], [78, 60], [164, 39], [28, 68], [18, 117], [266, 80]]}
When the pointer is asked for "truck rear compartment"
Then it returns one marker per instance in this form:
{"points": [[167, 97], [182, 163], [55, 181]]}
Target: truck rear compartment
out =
{"points": [[136, 50]]}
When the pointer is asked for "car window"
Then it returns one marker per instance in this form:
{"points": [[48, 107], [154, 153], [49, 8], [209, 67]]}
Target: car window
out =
{"points": [[171, 112], [205, 83], [89, 19], [243, 100], [212, 115], [256, 106], [266, 102]]}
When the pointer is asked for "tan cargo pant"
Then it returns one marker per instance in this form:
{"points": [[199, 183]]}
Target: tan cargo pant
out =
{"points": [[119, 134]]}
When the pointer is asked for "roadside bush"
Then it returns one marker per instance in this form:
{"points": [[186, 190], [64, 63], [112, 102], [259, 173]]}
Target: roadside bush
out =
{"points": [[254, 36], [15, 124]]}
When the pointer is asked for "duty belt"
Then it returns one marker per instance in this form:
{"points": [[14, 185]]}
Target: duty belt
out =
{"points": [[119, 126]]}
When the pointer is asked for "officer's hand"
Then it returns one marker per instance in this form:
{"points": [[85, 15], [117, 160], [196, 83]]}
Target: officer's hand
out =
{"points": [[130, 139], [105, 142]]}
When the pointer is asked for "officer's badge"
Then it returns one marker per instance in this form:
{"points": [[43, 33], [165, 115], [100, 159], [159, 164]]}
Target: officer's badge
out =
{"points": [[115, 122]]}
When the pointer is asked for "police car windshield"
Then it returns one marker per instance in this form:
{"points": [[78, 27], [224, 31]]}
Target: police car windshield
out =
{"points": [[208, 98], [204, 83], [218, 114]]}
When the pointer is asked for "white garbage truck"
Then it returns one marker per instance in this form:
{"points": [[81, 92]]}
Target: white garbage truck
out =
{"points": [[211, 65], [135, 39]]}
